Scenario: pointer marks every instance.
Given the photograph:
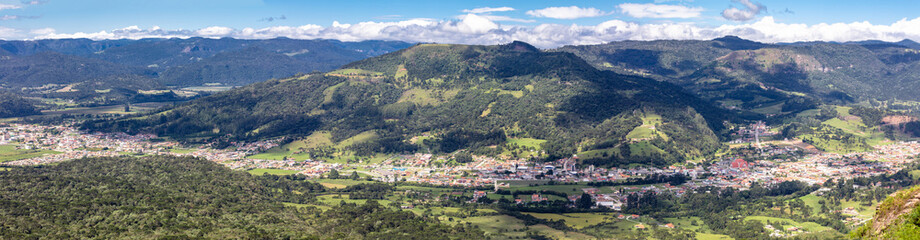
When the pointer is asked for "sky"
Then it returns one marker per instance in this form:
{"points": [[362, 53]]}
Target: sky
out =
{"points": [[546, 24]]}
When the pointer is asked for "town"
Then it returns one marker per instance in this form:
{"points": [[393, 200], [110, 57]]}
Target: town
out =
{"points": [[65, 143]]}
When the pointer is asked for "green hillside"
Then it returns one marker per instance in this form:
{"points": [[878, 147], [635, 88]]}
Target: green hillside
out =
{"points": [[463, 97], [768, 79]]}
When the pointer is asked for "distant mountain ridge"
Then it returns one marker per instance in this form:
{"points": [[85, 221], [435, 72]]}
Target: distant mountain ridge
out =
{"points": [[761, 77], [77, 67]]}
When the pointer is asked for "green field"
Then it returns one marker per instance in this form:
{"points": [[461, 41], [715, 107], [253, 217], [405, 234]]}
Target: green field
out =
{"points": [[807, 226], [182, 150], [508, 227], [10, 153], [354, 71], [260, 171], [297, 150], [864, 211], [577, 220], [647, 130], [527, 142], [340, 183]]}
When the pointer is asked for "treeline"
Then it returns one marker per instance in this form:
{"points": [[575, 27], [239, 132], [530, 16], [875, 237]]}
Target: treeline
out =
{"points": [[673, 179]]}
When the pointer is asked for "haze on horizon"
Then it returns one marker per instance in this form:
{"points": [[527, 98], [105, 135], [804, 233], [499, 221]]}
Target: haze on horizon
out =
{"points": [[545, 25]]}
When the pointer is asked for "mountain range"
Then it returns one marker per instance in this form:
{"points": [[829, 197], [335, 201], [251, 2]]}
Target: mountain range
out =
{"points": [[87, 70], [769, 79]]}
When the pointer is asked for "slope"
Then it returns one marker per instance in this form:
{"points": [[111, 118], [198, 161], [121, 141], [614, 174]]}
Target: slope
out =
{"points": [[464, 97]]}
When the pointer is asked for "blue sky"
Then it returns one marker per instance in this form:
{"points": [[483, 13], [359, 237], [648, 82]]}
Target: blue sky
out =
{"points": [[544, 23]]}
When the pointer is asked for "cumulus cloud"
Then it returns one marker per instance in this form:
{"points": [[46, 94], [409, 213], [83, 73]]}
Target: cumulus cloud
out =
{"points": [[571, 12], [488, 10], [478, 29], [8, 6], [650, 10], [17, 17], [751, 9], [34, 2]]}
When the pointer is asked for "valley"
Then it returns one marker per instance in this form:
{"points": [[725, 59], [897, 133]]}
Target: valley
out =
{"points": [[510, 141]]}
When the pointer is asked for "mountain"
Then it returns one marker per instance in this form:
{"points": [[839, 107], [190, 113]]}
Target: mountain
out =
{"points": [[895, 218], [77, 68], [457, 97], [768, 78]]}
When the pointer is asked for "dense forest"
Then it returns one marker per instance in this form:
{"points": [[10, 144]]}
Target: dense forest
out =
{"points": [[12, 105], [466, 97], [178, 198]]}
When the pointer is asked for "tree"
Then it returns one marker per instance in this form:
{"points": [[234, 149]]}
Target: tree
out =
{"points": [[334, 174], [585, 201], [354, 175]]}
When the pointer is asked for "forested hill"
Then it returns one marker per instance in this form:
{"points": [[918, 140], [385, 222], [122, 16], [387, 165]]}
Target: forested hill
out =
{"points": [[898, 217], [769, 78], [83, 68], [165, 197], [459, 97]]}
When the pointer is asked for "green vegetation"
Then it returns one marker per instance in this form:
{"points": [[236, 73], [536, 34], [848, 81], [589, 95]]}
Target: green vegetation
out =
{"points": [[449, 94], [171, 197], [13, 153], [260, 171], [896, 218]]}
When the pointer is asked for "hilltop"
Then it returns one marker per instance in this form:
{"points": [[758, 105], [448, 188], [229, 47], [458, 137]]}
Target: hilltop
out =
{"points": [[445, 98]]}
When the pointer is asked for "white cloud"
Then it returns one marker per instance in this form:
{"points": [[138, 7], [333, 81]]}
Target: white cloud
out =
{"points": [[507, 19], [42, 31], [9, 33], [571, 12], [488, 10], [751, 9], [8, 6], [478, 29], [214, 31], [650, 10]]}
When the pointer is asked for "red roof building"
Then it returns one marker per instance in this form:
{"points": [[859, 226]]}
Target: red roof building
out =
{"points": [[740, 163]]}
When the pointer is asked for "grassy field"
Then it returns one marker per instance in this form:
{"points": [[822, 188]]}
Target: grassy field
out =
{"points": [[576, 220], [507, 227], [260, 171], [355, 71], [807, 226], [864, 211], [647, 129], [295, 150], [182, 150], [10, 153], [340, 183], [527, 142]]}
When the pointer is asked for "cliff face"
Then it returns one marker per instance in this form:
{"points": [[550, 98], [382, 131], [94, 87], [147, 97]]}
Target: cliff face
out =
{"points": [[897, 218]]}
